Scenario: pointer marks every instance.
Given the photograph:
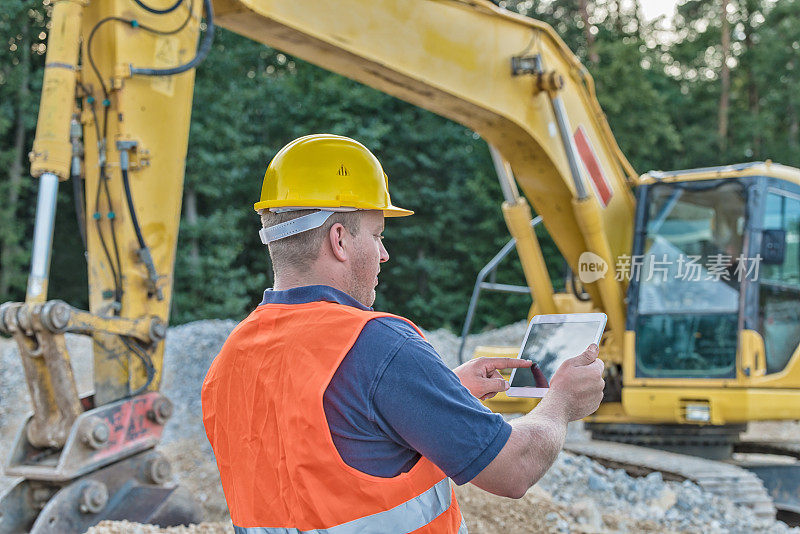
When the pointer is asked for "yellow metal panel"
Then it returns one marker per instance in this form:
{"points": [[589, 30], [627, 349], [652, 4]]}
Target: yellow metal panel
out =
{"points": [[609, 412], [567, 303], [789, 377], [751, 355], [51, 148], [155, 113], [745, 398], [518, 220], [727, 405], [783, 172], [496, 352], [502, 403]]}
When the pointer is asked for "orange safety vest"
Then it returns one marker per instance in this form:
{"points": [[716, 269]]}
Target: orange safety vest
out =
{"points": [[281, 473]]}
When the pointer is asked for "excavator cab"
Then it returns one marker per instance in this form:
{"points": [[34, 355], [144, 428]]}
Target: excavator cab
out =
{"points": [[714, 281], [686, 273], [712, 314]]}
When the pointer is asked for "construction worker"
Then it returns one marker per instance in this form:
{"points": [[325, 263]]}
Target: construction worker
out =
{"points": [[327, 416]]}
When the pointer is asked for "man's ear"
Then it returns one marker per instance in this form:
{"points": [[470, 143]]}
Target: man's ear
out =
{"points": [[337, 236]]}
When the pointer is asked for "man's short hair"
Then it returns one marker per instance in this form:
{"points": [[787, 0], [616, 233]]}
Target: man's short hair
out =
{"points": [[297, 253]]}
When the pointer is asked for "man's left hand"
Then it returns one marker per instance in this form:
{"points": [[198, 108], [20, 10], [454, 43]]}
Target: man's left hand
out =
{"points": [[482, 378]]}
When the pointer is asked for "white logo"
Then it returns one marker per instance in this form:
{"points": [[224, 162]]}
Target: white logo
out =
{"points": [[591, 267]]}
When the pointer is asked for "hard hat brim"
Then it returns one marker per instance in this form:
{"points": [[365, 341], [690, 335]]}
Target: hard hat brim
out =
{"points": [[389, 211], [394, 211]]}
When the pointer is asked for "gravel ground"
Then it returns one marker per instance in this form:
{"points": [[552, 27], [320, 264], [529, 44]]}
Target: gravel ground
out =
{"points": [[14, 401], [126, 527], [447, 343], [576, 495]]}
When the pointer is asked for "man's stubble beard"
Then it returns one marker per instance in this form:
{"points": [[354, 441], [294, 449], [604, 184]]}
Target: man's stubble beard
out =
{"points": [[363, 292]]}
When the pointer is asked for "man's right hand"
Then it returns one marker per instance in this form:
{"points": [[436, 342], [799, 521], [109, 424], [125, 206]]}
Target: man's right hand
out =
{"points": [[577, 386], [536, 438]]}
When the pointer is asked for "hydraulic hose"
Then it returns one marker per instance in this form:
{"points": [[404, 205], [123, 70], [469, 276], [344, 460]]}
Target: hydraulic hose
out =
{"points": [[581, 296], [147, 363], [202, 52], [80, 209], [134, 220], [170, 9], [144, 252]]}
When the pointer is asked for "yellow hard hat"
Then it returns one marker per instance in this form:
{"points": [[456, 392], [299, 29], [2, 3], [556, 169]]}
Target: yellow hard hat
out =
{"points": [[325, 171]]}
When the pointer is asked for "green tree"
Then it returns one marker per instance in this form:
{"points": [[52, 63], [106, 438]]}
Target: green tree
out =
{"points": [[227, 150], [776, 78], [20, 78], [712, 67]]}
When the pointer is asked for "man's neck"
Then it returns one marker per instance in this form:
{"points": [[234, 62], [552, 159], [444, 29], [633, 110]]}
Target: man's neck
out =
{"points": [[292, 280]]}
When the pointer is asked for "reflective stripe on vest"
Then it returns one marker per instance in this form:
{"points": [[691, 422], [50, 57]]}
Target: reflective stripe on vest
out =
{"points": [[407, 517]]}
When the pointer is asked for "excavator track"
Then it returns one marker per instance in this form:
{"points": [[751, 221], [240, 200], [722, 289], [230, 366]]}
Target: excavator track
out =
{"points": [[778, 448], [777, 464], [732, 482]]}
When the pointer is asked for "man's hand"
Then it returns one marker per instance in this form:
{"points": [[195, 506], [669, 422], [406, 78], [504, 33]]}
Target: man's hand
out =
{"points": [[482, 378], [577, 386]]}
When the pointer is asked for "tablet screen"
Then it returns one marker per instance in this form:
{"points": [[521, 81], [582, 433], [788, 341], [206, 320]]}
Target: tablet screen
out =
{"points": [[548, 345]]}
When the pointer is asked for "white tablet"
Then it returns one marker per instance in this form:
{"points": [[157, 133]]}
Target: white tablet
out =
{"points": [[549, 341]]}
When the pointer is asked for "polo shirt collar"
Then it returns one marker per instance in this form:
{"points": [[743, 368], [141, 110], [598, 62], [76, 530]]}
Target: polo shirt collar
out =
{"points": [[306, 294]]}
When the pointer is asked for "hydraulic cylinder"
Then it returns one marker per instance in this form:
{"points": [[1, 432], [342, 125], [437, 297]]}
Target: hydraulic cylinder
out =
{"points": [[52, 147], [42, 238]]}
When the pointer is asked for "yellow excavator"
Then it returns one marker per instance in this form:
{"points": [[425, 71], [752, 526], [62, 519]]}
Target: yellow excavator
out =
{"points": [[698, 356]]}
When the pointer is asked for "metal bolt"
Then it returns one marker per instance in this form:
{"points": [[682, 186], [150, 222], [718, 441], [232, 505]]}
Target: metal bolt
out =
{"points": [[97, 434], [161, 411], [159, 470], [158, 329], [550, 82], [24, 320], [55, 315], [94, 497], [100, 433]]}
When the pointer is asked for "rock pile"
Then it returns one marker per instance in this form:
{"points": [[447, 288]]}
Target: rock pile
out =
{"points": [[604, 499], [576, 495]]}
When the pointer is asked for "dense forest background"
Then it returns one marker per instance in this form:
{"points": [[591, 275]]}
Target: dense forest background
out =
{"points": [[722, 86]]}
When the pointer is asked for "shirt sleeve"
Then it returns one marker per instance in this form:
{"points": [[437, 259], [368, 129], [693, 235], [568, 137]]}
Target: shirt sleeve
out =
{"points": [[423, 405]]}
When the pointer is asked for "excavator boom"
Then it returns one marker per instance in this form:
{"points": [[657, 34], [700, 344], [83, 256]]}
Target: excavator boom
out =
{"points": [[498, 75]]}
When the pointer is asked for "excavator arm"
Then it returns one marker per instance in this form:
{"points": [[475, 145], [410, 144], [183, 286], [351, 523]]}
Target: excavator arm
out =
{"points": [[114, 114], [507, 77]]}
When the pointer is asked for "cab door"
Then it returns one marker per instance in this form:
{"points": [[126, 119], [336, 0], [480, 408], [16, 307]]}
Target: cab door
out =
{"points": [[777, 286]]}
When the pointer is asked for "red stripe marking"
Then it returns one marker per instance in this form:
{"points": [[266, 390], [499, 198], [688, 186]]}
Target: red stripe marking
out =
{"points": [[585, 150]]}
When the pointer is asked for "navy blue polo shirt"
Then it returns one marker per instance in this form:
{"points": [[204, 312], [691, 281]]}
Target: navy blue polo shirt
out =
{"points": [[393, 399]]}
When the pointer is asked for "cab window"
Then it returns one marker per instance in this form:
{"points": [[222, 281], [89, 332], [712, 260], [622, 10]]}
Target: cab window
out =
{"points": [[779, 293]]}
